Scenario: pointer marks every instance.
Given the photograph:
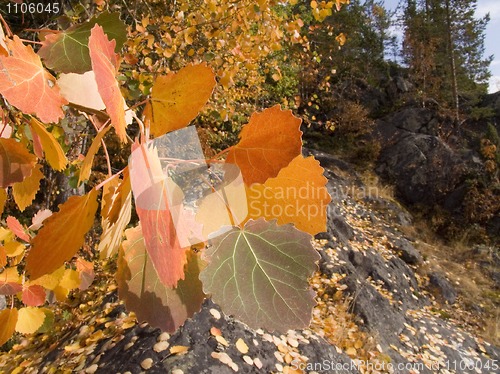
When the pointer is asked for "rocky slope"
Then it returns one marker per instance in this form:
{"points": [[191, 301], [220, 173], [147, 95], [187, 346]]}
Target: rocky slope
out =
{"points": [[375, 313]]}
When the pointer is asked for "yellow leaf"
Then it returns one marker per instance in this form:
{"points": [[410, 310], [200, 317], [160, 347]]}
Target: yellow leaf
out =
{"points": [[3, 199], [53, 151], [176, 99], [14, 248], [314, 4], [241, 345], [50, 281], [29, 320], [89, 159], [24, 192], [61, 293], [8, 320], [10, 275], [62, 235], [70, 279], [3, 257], [178, 349], [6, 235], [351, 351]]}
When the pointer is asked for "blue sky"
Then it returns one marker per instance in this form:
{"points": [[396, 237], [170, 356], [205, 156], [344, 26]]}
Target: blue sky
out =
{"points": [[491, 43]]}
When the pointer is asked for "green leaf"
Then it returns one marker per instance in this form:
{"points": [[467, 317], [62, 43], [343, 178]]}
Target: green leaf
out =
{"points": [[68, 52], [144, 293], [260, 274]]}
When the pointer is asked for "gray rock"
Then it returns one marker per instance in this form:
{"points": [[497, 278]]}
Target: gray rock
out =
{"points": [[444, 287], [407, 252]]}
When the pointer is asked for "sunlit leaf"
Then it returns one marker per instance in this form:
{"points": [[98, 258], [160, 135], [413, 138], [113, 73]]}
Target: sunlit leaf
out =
{"points": [[53, 151], [8, 321], [16, 227], [62, 235], [27, 85], [260, 275], [24, 192], [29, 320], [34, 295], [268, 143], [16, 163], [89, 158]]}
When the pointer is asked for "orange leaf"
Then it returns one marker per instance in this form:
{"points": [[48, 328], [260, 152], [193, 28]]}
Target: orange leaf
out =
{"points": [[176, 99], [89, 159], [3, 257], [53, 151], [86, 273], [105, 65], [297, 195], [17, 228], [34, 295], [16, 163], [24, 192], [153, 194], [3, 199], [267, 144], [8, 320], [62, 235], [29, 320], [27, 85]]}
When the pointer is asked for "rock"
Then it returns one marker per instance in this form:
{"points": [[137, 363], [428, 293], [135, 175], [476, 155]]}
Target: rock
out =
{"points": [[407, 252], [422, 167], [444, 287]]}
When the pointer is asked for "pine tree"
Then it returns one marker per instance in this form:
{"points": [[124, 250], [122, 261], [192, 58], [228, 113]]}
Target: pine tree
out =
{"points": [[444, 48]]}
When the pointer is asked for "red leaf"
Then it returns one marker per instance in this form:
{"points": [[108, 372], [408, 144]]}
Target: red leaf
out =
{"points": [[105, 64], [27, 85], [153, 193], [34, 295], [17, 228], [10, 288]]}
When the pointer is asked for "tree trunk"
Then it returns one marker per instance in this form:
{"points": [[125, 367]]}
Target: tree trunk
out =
{"points": [[451, 49]]}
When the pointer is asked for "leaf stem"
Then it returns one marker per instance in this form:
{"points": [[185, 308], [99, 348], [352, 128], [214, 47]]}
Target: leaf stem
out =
{"points": [[219, 154], [106, 154], [110, 178]]}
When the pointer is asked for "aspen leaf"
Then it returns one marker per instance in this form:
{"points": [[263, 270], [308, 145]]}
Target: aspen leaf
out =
{"points": [[53, 151], [16, 163], [38, 219], [24, 192], [61, 293], [85, 272], [116, 219], [89, 159], [154, 195], [3, 256], [144, 293], [241, 346], [47, 322], [14, 248], [29, 320], [6, 235], [17, 228], [177, 98], [81, 89], [8, 321], [49, 281], [62, 235], [68, 51], [105, 63], [260, 274], [33, 295], [3, 199], [27, 85], [268, 143], [70, 279], [297, 195], [10, 282]]}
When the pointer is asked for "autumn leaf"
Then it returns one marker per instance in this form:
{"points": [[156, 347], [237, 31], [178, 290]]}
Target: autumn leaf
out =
{"points": [[89, 159], [105, 64], [260, 275], [68, 51], [10, 282], [15, 226], [70, 279], [85, 273], [34, 295], [177, 98], [16, 163], [8, 321], [24, 192], [158, 203], [39, 217], [268, 143], [49, 281], [3, 199], [29, 320], [144, 293], [53, 151], [297, 195], [116, 218], [81, 89], [27, 85], [62, 235], [3, 256]]}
